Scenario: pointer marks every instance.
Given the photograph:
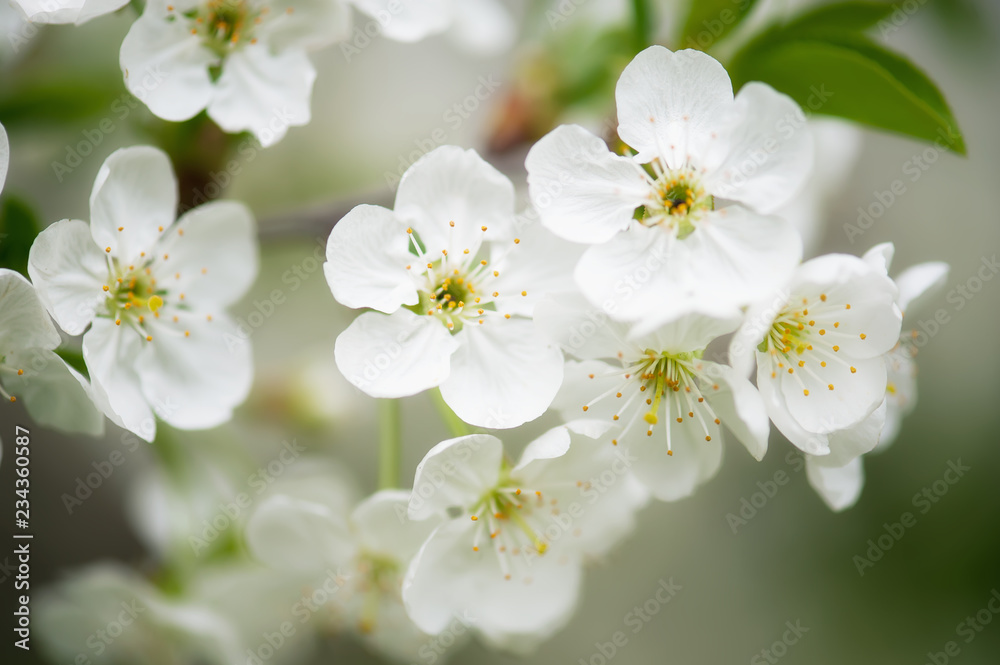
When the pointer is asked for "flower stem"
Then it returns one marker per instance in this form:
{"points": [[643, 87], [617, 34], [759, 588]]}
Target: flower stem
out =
{"points": [[456, 425], [642, 24], [389, 443]]}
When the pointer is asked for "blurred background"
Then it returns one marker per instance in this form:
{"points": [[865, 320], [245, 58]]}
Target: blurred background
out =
{"points": [[793, 560]]}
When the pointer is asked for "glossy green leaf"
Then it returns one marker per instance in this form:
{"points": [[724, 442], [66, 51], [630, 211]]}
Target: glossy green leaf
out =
{"points": [[708, 21], [18, 228]]}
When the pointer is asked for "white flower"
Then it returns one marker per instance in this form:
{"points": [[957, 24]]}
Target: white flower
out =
{"points": [[66, 11], [916, 285], [454, 289], [108, 610], [53, 393], [484, 27], [819, 348], [509, 560], [306, 532], [696, 146], [663, 396], [153, 293], [243, 60]]}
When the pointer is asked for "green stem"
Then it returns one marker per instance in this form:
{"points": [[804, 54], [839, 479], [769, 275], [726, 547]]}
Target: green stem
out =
{"points": [[389, 443], [642, 24], [456, 425]]}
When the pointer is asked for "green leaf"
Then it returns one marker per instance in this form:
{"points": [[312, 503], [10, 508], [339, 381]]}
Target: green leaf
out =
{"points": [[840, 18], [18, 228], [708, 21], [823, 61]]}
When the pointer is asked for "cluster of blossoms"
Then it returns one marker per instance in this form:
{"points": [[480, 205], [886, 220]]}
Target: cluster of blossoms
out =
{"points": [[246, 62], [633, 297]]}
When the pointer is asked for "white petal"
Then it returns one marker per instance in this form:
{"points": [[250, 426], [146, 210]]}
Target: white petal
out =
{"points": [[384, 527], [297, 535], [136, 192], [674, 477], [550, 445], [880, 256], [739, 407], [54, 394], [579, 328], [67, 11], [395, 355], [69, 273], [852, 398], [24, 324], [448, 579], [197, 379], [691, 332], [455, 472], [769, 159], [408, 21], [4, 156], [810, 442], [111, 353], [305, 24], [919, 282], [483, 27], [839, 487], [583, 191], [846, 445], [367, 254], [448, 185], [214, 250], [675, 106], [502, 375], [165, 66], [848, 280], [263, 93], [540, 263]]}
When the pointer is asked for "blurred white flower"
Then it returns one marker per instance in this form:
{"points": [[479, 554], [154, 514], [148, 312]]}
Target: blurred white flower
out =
{"points": [[245, 61], [153, 293], [306, 532], [53, 393], [110, 613], [454, 290], [699, 146], [819, 346], [509, 560], [66, 11], [484, 27], [657, 379]]}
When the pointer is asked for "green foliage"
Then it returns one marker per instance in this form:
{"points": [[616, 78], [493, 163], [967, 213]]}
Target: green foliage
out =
{"points": [[18, 228], [824, 61], [709, 21]]}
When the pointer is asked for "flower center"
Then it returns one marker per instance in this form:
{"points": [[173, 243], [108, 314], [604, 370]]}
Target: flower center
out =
{"points": [[378, 576], [803, 341], [132, 295], [225, 25], [657, 384], [677, 201]]}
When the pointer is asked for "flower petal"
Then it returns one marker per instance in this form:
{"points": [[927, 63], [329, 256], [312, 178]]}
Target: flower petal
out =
{"points": [[455, 472], [111, 353], [502, 375], [582, 191], [769, 158], [263, 93], [920, 282], [54, 394], [395, 355], [450, 184], [384, 527], [408, 21], [198, 378], [213, 248], [366, 259], [166, 66], [674, 477], [880, 256], [4, 156], [67, 11], [293, 534], [69, 273], [675, 106], [833, 397], [839, 487], [848, 444], [581, 329], [24, 323], [739, 407], [305, 24], [447, 579], [538, 264], [133, 202]]}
